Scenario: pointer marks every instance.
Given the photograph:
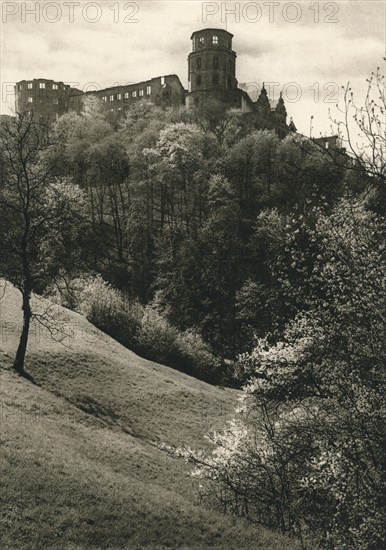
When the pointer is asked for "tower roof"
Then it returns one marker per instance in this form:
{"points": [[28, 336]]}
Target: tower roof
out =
{"points": [[212, 30]]}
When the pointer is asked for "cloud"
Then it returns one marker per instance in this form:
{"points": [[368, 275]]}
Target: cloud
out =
{"points": [[114, 49]]}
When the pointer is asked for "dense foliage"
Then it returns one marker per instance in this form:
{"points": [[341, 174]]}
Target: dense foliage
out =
{"points": [[216, 248], [305, 451], [186, 213]]}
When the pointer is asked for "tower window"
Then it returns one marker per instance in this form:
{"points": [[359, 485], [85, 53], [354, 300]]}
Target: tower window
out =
{"points": [[198, 80], [104, 98], [111, 98], [54, 86], [198, 63], [215, 62], [42, 85], [119, 97], [202, 40], [20, 87], [30, 85], [126, 96], [215, 40], [134, 94], [140, 93], [30, 99], [148, 90], [162, 81]]}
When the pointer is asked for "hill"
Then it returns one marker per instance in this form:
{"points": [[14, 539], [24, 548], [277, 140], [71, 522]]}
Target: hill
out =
{"points": [[82, 463]]}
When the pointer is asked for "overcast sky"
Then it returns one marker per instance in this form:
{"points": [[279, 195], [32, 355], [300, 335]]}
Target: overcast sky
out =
{"points": [[308, 48]]}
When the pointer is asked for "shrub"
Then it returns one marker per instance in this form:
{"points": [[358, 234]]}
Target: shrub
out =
{"points": [[104, 306], [196, 356], [144, 329], [157, 338], [305, 451], [110, 310]]}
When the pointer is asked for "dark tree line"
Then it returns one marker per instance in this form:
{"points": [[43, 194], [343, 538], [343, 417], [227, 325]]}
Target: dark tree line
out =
{"points": [[180, 209]]}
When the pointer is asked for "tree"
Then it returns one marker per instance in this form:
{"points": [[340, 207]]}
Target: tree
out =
{"points": [[226, 125], [40, 217], [88, 149], [361, 129], [305, 452], [174, 164], [221, 268], [307, 174]]}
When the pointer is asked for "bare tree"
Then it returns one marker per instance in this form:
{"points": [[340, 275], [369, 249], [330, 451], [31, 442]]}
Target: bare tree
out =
{"points": [[363, 128], [361, 132], [38, 216]]}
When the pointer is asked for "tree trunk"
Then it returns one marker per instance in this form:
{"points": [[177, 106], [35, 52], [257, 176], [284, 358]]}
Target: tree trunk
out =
{"points": [[18, 364]]}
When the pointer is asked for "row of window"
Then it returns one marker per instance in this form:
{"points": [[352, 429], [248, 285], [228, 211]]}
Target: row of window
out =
{"points": [[126, 95], [214, 40], [55, 100], [42, 86], [215, 63], [211, 41], [215, 81]]}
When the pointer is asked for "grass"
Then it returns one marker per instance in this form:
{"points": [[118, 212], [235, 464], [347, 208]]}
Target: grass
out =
{"points": [[81, 463]]}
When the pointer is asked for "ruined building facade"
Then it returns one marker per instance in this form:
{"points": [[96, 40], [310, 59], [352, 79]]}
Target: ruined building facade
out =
{"points": [[211, 75], [51, 99]]}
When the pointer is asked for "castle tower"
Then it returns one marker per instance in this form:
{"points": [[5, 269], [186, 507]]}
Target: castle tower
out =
{"points": [[212, 68]]}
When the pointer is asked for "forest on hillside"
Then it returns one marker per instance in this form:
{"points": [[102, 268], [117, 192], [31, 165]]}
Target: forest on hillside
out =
{"points": [[214, 247]]}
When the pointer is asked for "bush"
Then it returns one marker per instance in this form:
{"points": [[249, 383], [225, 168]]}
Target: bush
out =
{"points": [[144, 329], [104, 306], [305, 450], [159, 340], [196, 356]]}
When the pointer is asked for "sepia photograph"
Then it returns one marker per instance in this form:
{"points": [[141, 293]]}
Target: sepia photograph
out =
{"points": [[192, 275]]}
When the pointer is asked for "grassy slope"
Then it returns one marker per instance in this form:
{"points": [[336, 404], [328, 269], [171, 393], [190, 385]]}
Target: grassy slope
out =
{"points": [[81, 463]]}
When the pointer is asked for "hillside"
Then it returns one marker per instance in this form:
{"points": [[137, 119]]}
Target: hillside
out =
{"points": [[82, 465]]}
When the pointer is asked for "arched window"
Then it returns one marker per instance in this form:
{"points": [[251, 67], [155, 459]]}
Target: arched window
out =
{"points": [[198, 63], [198, 80], [215, 40], [215, 62]]}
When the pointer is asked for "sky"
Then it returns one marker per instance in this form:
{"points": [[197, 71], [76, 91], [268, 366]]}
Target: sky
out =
{"points": [[307, 49]]}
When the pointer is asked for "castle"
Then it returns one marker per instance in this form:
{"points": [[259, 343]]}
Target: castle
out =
{"points": [[211, 74]]}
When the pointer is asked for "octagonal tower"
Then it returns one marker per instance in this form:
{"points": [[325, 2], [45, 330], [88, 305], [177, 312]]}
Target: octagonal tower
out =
{"points": [[212, 68]]}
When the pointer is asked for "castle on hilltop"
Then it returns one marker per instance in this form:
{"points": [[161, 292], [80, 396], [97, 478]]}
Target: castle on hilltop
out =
{"points": [[211, 75]]}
